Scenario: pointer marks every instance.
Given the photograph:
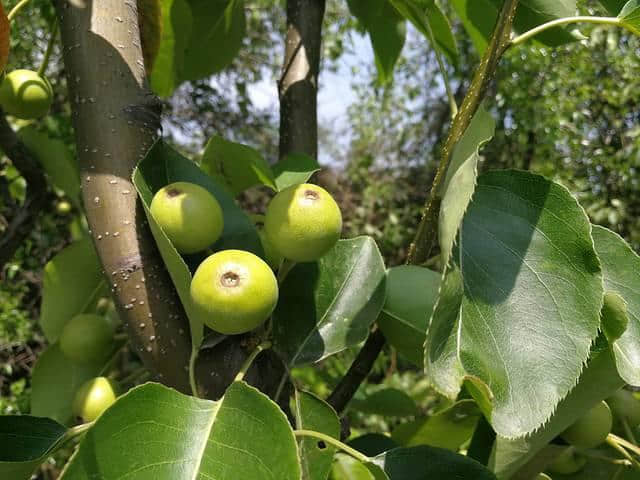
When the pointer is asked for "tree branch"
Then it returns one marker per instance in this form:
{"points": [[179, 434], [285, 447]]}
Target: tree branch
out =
{"points": [[22, 222], [298, 85], [421, 245]]}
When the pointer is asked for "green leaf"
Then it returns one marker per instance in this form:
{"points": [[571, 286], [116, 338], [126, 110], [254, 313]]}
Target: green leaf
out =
{"points": [[219, 26], [613, 6], [516, 458], [424, 14], [372, 444], [348, 468], [25, 442], [168, 435], [163, 166], [386, 29], [530, 292], [389, 402], [479, 16], [236, 166], [460, 180], [314, 414], [426, 463], [621, 273], [54, 382], [294, 169], [630, 16], [176, 29], [56, 160], [448, 429], [72, 283], [328, 306], [411, 294]]}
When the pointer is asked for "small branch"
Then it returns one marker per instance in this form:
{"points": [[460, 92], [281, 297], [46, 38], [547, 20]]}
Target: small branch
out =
{"points": [[358, 371], [614, 442], [249, 361], [47, 53], [564, 21], [621, 441], [332, 441], [192, 372], [15, 10], [22, 222]]}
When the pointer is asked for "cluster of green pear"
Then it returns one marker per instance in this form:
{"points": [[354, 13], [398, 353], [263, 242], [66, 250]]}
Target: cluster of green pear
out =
{"points": [[25, 94], [593, 428], [235, 291], [88, 339]]}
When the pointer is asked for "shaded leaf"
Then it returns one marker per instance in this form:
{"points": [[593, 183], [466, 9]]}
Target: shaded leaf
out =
{"points": [[72, 283], [294, 169], [25, 442], [56, 160], [216, 37], [516, 458], [411, 294], [460, 180], [426, 463], [314, 414], [386, 29], [389, 402], [236, 166], [54, 382], [163, 166], [532, 293], [448, 429], [177, 22], [329, 305], [613, 6], [170, 435], [621, 274], [630, 16], [372, 444]]}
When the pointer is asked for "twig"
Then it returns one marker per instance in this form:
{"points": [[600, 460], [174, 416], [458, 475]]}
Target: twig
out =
{"points": [[565, 21], [332, 441]]}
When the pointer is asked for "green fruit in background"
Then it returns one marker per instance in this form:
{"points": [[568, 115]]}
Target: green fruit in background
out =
{"points": [[25, 94], [63, 207], [590, 430], [93, 398], [235, 291], [189, 215], [543, 476], [625, 406], [303, 222], [568, 462], [271, 255], [87, 338]]}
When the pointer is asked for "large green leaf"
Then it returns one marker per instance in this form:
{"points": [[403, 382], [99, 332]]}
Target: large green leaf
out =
{"points": [[517, 458], [56, 160], [389, 402], [163, 166], [348, 468], [72, 283], [426, 463], [315, 414], [154, 432], [386, 29], [216, 37], [621, 274], [328, 306], [479, 16], [448, 429], [177, 22], [630, 16], [294, 169], [25, 442], [529, 293], [425, 14], [236, 166], [460, 180], [54, 382], [411, 294]]}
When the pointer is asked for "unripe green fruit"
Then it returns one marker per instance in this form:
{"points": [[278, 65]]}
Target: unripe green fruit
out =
{"points": [[625, 406], [303, 222], [271, 255], [235, 291], [86, 338], [590, 430], [63, 207], [189, 215], [25, 94], [543, 476], [568, 462], [93, 398]]}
